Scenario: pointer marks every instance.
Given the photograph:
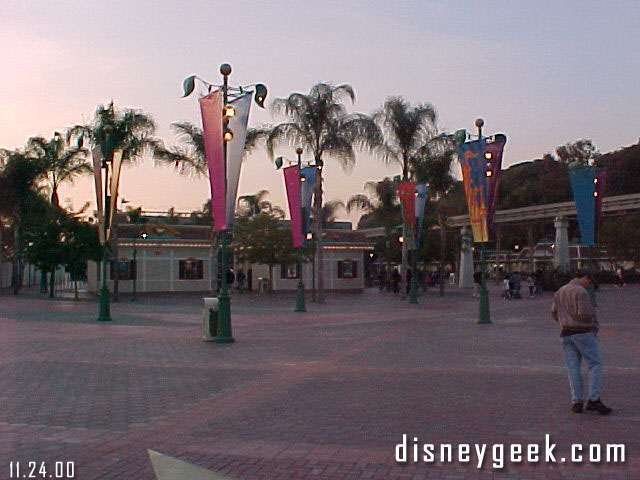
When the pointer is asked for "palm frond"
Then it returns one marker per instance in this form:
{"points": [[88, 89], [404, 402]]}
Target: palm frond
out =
{"points": [[359, 202]]}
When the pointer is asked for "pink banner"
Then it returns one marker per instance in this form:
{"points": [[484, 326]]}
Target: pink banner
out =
{"points": [[407, 194], [211, 111], [292, 183]]}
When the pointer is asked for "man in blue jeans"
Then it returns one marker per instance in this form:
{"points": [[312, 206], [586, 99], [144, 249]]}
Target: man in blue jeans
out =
{"points": [[573, 310]]}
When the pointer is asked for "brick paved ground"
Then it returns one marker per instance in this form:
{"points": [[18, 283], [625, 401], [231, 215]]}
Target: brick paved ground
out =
{"points": [[322, 395]]}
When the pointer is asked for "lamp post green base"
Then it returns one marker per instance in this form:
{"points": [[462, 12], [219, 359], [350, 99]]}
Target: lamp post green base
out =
{"points": [[224, 320], [104, 314], [224, 300], [300, 305], [484, 313], [413, 292]]}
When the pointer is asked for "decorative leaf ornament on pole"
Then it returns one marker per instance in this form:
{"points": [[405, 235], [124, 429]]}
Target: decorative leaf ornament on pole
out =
{"points": [[481, 162], [225, 112]]}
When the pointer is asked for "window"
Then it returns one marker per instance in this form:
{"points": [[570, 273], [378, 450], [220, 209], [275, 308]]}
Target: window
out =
{"points": [[347, 269], [289, 271], [191, 269], [126, 269]]}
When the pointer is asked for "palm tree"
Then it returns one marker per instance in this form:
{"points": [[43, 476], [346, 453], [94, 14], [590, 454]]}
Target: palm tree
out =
{"points": [[432, 165], [188, 156], [406, 130], [382, 209], [329, 211], [62, 162], [130, 131], [19, 183], [250, 205], [319, 123]]}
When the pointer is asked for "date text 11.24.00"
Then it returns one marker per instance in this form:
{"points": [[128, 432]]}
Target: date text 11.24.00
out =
{"points": [[60, 470]]}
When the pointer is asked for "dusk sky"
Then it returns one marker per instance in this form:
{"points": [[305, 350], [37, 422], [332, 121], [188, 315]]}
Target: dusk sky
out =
{"points": [[545, 73]]}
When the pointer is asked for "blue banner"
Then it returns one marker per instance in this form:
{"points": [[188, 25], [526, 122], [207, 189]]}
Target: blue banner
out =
{"points": [[308, 186], [584, 188], [421, 199]]}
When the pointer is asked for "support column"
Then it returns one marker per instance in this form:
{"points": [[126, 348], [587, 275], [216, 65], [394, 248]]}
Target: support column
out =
{"points": [[532, 246], [561, 251], [466, 259]]}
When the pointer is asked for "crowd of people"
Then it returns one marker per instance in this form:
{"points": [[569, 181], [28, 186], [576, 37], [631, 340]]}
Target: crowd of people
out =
{"points": [[391, 281]]}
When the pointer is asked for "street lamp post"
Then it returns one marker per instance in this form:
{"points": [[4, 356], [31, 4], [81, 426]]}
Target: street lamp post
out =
{"points": [[413, 291], [135, 264], [484, 314], [300, 301], [300, 305], [104, 314], [224, 334]]}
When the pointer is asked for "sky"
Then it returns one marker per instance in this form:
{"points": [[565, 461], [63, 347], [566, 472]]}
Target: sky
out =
{"points": [[544, 73]]}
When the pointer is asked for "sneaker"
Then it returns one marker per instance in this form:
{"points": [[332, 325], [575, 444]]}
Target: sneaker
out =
{"points": [[598, 406], [576, 407]]}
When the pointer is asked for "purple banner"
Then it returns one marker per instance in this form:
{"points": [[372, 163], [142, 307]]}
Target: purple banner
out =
{"points": [[494, 166], [292, 184], [211, 111]]}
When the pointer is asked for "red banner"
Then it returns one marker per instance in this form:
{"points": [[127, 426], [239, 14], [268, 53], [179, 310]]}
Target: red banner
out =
{"points": [[211, 111], [292, 183], [407, 194]]}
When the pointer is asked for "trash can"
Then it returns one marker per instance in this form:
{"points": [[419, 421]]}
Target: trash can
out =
{"points": [[263, 285], [210, 319]]}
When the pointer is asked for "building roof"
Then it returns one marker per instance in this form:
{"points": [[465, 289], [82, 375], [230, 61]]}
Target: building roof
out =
{"points": [[335, 238]]}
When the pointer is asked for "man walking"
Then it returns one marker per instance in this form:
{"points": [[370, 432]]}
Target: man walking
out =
{"points": [[573, 310]]}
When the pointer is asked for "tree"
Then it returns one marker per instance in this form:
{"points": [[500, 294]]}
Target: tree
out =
{"points": [[19, 179], [130, 131], [60, 239], [406, 131], [262, 239], [81, 244], [382, 209], [621, 235], [623, 170], [581, 151], [250, 205], [319, 123], [329, 211], [188, 157], [62, 162], [432, 165]]}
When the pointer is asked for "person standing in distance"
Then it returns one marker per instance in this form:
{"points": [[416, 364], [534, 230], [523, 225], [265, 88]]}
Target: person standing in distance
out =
{"points": [[573, 309]]}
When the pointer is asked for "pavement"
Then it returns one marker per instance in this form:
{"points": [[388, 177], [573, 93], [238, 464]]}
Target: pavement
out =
{"points": [[326, 394]]}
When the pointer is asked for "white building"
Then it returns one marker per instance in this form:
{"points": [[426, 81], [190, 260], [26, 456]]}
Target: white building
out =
{"points": [[179, 258]]}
